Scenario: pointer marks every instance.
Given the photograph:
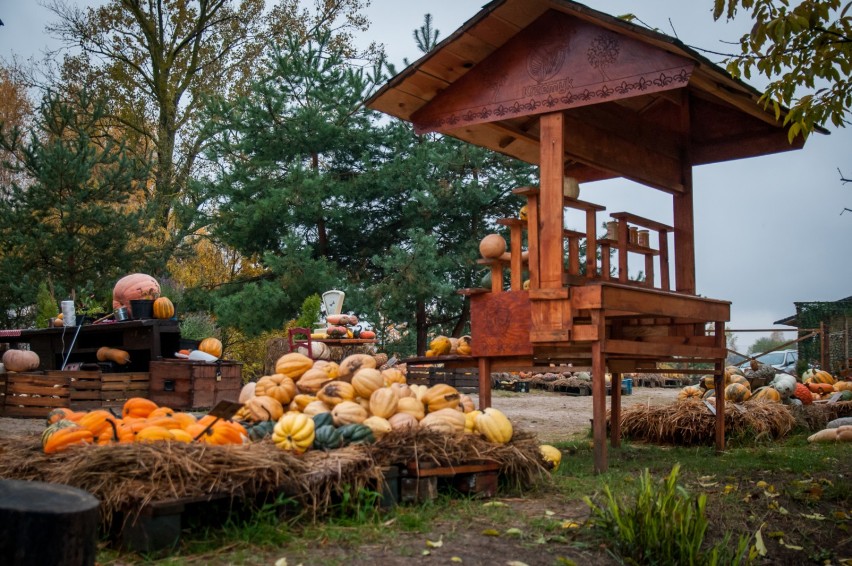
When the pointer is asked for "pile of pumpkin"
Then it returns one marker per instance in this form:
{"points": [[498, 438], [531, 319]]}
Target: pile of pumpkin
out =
{"points": [[322, 404], [784, 388], [444, 346], [141, 421]]}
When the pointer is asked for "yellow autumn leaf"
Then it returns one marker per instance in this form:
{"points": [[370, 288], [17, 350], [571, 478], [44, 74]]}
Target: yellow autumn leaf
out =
{"points": [[569, 524], [762, 484], [434, 543], [758, 543], [494, 504], [729, 489], [513, 532], [814, 516], [790, 546], [491, 533], [549, 513], [456, 559]]}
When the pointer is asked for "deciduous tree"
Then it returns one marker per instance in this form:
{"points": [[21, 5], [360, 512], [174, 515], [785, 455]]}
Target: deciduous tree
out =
{"points": [[805, 50]]}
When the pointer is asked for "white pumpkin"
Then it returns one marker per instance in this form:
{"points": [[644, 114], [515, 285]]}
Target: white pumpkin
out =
{"points": [[319, 351]]}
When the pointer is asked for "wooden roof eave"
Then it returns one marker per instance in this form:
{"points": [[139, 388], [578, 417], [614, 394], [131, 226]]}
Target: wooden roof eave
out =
{"points": [[416, 86]]}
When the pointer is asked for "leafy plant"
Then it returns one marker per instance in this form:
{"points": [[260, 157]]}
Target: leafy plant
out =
{"points": [[45, 306], [310, 312], [198, 326], [663, 525]]}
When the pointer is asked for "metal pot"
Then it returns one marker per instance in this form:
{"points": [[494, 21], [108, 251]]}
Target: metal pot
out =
{"points": [[121, 314]]}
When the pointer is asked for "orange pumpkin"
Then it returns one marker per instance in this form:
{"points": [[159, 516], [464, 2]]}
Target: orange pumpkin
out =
{"points": [[212, 346], [278, 386], [820, 388], [134, 286], [65, 437], [138, 407], [163, 308]]}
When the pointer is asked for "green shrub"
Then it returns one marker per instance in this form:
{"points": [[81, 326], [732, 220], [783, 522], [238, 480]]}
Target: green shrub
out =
{"points": [[662, 525]]}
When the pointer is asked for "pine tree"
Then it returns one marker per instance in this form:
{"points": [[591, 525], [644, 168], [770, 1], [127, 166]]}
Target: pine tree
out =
{"points": [[78, 217]]}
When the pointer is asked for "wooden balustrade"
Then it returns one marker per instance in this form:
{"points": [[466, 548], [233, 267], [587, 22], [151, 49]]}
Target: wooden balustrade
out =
{"points": [[516, 258]]}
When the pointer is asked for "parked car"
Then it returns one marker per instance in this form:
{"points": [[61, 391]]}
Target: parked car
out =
{"points": [[782, 360]]}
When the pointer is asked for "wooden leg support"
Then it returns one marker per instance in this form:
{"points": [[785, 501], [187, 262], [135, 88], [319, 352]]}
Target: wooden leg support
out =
{"points": [[599, 407], [484, 383], [719, 384]]}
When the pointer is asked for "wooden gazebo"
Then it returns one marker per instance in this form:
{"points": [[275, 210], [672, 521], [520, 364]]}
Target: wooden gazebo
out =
{"points": [[585, 95]]}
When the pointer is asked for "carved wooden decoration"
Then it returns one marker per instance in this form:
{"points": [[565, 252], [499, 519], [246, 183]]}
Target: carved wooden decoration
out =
{"points": [[556, 63]]}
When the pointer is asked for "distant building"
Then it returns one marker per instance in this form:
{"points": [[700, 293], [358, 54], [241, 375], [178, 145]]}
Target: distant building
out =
{"points": [[836, 318]]}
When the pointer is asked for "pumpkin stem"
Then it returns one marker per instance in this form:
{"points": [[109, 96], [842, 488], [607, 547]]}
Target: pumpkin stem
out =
{"points": [[114, 429]]}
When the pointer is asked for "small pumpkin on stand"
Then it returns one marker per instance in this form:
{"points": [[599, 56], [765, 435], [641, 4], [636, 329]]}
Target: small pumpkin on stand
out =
{"points": [[163, 308]]}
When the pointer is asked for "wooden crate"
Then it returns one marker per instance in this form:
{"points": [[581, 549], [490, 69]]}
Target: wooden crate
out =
{"points": [[186, 384], [106, 390], [34, 394], [460, 378]]}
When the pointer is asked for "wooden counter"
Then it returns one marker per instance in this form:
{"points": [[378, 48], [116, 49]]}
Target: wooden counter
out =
{"points": [[145, 340]]}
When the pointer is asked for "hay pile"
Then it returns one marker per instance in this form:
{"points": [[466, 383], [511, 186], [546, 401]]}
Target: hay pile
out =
{"points": [[567, 382], [815, 417], [125, 477], [690, 422]]}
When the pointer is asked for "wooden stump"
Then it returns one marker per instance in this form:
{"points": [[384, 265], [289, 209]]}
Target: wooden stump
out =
{"points": [[43, 523]]}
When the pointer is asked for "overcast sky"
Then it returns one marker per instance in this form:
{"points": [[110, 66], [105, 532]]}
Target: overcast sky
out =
{"points": [[768, 229]]}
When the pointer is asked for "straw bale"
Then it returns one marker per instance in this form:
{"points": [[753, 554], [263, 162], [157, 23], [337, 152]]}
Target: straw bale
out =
{"points": [[125, 477], [817, 416], [690, 422]]}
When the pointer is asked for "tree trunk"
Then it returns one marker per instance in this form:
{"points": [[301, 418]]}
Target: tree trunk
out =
{"points": [[464, 316], [422, 328], [45, 523]]}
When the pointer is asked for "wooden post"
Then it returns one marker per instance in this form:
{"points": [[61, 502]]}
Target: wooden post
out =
{"points": [[599, 395], [515, 272], [532, 240], [684, 222], [484, 364], [824, 362], [550, 208], [615, 410], [719, 384], [663, 241], [591, 243], [623, 239]]}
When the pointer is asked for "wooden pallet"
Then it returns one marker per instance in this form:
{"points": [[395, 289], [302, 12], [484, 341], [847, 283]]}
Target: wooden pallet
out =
{"points": [[460, 378], [420, 482], [34, 395], [106, 390]]}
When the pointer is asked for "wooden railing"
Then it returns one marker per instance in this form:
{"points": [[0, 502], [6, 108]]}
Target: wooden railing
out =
{"points": [[654, 251]]}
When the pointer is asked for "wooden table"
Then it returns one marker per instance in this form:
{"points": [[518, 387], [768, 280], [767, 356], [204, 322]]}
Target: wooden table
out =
{"points": [[145, 340]]}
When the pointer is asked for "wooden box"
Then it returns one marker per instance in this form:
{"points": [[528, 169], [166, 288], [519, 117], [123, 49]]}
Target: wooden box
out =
{"points": [[460, 378], [34, 394], [105, 390], [186, 384]]}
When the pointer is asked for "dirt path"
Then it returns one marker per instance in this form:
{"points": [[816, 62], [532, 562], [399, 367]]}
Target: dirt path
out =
{"points": [[552, 416], [555, 416]]}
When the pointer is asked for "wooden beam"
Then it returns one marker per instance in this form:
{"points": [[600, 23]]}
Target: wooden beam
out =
{"points": [[550, 222], [601, 149], [684, 222], [599, 395]]}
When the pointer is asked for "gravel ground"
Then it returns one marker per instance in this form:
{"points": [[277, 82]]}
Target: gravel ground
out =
{"points": [[552, 416]]}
